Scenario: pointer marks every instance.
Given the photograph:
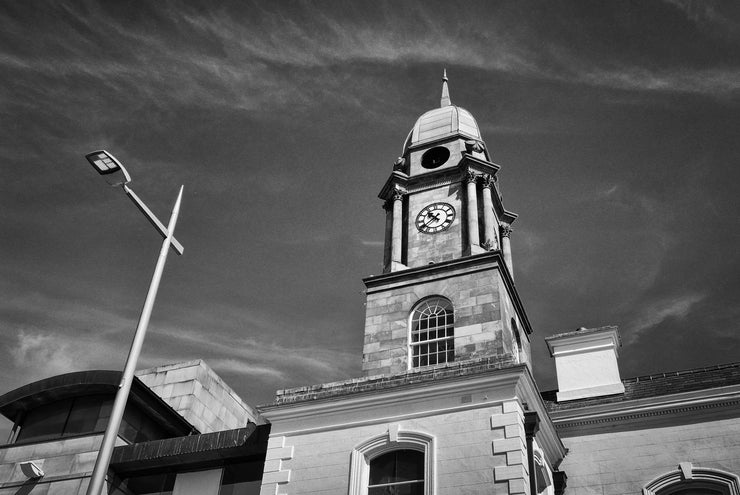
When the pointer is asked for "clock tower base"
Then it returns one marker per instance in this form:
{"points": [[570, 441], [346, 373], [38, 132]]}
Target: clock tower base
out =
{"points": [[489, 319]]}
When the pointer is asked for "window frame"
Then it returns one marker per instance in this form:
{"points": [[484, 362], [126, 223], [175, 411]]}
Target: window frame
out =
{"points": [[392, 440], [688, 476], [450, 340]]}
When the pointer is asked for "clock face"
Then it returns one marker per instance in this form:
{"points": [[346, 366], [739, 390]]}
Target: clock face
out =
{"points": [[435, 217]]}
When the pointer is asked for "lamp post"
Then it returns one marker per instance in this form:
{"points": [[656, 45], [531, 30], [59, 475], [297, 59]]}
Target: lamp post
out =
{"points": [[116, 175]]}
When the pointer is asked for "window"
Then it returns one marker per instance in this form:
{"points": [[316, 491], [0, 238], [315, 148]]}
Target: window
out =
{"points": [[435, 157], [397, 462], [148, 484], [137, 427], [432, 333], [400, 472], [690, 480], [244, 478], [66, 418], [84, 415]]}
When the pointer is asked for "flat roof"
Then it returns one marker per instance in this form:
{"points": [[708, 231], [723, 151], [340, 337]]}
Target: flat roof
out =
{"points": [[208, 449]]}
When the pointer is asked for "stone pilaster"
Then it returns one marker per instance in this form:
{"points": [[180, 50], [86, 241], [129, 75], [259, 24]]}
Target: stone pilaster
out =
{"points": [[397, 235], [472, 210], [511, 446], [276, 477], [506, 231], [489, 221]]}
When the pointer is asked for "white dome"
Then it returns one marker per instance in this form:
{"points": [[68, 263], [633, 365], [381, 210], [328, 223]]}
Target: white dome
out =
{"points": [[442, 122], [447, 120]]}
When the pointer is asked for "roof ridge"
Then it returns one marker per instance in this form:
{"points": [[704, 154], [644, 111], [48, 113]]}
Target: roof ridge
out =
{"points": [[703, 369]]}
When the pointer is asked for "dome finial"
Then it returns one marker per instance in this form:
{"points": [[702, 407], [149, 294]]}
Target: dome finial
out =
{"points": [[445, 102]]}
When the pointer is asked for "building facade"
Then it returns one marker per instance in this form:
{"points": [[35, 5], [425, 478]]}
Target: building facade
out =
{"points": [[447, 403]]}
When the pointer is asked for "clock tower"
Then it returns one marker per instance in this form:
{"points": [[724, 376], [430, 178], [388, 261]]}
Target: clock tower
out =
{"points": [[447, 292]]}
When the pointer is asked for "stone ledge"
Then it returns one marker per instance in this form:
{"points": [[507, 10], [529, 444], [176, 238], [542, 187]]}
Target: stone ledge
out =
{"points": [[381, 382]]}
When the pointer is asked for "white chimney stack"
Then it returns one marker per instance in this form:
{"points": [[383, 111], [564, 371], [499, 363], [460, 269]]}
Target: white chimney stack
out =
{"points": [[586, 362]]}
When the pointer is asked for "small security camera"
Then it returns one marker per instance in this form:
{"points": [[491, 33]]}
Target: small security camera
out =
{"points": [[31, 470]]}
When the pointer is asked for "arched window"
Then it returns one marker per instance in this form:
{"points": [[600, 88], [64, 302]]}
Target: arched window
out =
{"points": [[690, 480], [432, 332], [398, 471], [398, 462]]}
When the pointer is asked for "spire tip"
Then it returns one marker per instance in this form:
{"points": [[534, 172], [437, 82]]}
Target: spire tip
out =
{"points": [[445, 101]]}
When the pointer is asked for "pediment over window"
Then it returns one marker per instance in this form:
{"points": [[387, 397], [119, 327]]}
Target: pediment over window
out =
{"points": [[691, 480]]}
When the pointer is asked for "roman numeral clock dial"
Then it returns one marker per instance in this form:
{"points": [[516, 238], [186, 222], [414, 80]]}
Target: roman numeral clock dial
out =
{"points": [[436, 217]]}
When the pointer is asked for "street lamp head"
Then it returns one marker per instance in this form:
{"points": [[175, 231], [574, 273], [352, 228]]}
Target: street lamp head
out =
{"points": [[107, 165]]}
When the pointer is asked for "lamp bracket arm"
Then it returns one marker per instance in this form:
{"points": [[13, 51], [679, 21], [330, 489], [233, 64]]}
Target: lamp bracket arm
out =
{"points": [[175, 244]]}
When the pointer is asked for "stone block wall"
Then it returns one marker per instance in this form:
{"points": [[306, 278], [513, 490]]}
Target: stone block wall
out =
{"points": [[477, 298], [67, 465], [197, 393], [509, 314]]}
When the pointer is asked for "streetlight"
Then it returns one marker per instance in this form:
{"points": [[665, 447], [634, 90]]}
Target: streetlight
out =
{"points": [[116, 175]]}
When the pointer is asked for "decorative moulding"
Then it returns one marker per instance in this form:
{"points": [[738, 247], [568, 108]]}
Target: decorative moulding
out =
{"points": [[394, 439], [698, 478]]}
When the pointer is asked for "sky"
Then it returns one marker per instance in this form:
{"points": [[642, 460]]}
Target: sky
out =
{"points": [[614, 123]]}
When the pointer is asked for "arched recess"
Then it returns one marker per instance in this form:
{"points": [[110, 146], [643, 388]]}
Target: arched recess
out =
{"points": [[688, 479], [394, 439], [517, 341]]}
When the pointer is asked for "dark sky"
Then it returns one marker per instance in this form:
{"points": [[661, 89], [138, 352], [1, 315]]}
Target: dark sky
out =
{"points": [[615, 124]]}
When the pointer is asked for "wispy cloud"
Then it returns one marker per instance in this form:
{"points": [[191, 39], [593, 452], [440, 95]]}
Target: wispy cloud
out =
{"points": [[709, 16], [659, 311], [38, 354], [211, 60]]}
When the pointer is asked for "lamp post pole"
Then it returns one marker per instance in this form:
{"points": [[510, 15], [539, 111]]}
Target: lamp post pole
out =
{"points": [[97, 480], [117, 175]]}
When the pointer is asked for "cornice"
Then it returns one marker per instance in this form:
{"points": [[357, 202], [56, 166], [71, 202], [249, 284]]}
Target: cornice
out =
{"points": [[411, 274], [478, 165], [547, 437], [477, 262], [447, 138], [446, 176], [647, 408], [395, 179], [497, 385]]}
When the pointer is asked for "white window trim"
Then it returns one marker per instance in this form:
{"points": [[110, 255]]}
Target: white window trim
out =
{"points": [[688, 473], [409, 326], [359, 475]]}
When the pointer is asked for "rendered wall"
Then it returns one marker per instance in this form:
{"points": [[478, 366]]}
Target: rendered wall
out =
{"points": [[624, 462], [478, 451]]}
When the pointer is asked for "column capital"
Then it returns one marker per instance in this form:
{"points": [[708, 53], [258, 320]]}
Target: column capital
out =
{"points": [[531, 423], [489, 180], [397, 194], [470, 176], [506, 230]]}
